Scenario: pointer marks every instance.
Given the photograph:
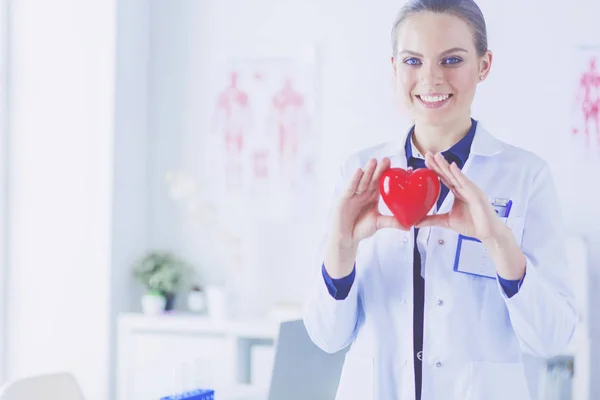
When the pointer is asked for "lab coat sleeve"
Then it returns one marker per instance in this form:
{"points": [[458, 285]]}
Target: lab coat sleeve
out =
{"points": [[543, 312], [339, 288], [332, 323]]}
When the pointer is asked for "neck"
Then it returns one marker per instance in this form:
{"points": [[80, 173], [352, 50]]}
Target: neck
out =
{"points": [[435, 139]]}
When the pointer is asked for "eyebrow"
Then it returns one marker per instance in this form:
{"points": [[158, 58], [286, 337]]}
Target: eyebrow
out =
{"points": [[445, 52]]}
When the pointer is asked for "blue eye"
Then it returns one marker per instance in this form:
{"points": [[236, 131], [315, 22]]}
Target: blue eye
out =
{"points": [[412, 61], [451, 60]]}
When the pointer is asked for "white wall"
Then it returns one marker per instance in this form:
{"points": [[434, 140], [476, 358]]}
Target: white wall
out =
{"points": [[3, 180], [62, 61], [130, 220], [526, 100], [186, 37]]}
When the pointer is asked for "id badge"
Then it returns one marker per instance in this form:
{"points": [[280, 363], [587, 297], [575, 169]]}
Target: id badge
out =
{"points": [[472, 257]]}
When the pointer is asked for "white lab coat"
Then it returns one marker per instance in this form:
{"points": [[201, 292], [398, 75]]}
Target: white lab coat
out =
{"points": [[474, 335]]}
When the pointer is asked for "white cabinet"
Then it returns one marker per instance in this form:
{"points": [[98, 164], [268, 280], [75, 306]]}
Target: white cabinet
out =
{"points": [[172, 363], [167, 354]]}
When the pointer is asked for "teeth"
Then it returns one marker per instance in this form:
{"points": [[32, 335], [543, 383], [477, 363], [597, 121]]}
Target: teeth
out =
{"points": [[434, 99]]}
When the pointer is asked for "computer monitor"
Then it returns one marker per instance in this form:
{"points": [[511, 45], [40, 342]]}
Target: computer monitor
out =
{"points": [[302, 370]]}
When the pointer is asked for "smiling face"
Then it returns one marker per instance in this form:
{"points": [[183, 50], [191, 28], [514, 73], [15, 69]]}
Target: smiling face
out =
{"points": [[437, 68]]}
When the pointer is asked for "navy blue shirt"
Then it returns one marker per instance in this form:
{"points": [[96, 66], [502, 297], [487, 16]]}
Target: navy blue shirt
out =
{"points": [[339, 288]]}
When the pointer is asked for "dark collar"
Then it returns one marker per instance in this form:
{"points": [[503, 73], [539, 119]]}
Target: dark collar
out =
{"points": [[458, 153]]}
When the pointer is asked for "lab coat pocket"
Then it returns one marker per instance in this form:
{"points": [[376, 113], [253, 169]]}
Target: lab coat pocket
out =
{"points": [[498, 380], [358, 376], [472, 258]]}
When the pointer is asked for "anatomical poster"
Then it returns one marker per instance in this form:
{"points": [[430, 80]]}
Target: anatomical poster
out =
{"points": [[585, 110], [263, 133]]}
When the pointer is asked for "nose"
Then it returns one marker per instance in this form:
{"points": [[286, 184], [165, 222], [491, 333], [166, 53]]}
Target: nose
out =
{"points": [[431, 75]]}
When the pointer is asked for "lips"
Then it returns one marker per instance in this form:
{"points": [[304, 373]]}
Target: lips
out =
{"points": [[434, 100]]}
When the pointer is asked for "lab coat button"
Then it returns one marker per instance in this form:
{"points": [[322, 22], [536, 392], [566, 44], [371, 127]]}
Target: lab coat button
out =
{"points": [[438, 364], [441, 241], [440, 302], [405, 240]]}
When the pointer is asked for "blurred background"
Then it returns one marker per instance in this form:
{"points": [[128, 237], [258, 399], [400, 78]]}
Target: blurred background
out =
{"points": [[189, 148]]}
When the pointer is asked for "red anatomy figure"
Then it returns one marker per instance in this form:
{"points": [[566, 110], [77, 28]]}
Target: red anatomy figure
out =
{"points": [[232, 121], [589, 86], [290, 123]]}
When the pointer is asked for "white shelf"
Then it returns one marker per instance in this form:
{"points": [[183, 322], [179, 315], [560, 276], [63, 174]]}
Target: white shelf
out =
{"points": [[184, 322]]}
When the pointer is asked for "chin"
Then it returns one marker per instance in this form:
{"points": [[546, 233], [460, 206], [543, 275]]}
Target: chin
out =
{"points": [[434, 118]]}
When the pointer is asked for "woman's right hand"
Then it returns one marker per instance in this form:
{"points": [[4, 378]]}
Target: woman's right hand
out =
{"points": [[356, 217]]}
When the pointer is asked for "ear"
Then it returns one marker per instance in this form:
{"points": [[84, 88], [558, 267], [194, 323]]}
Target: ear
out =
{"points": [[393, 62], [485, 64]]}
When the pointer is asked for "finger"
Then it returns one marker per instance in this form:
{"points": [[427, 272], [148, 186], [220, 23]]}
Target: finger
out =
{"points": [[443, 164], [385, 221], [447, 177], [460, 189], [352, 186], [467, 188], [444, 169], [459, 177], [432, 164], [441, 220], [367, 175], [383, 166]]}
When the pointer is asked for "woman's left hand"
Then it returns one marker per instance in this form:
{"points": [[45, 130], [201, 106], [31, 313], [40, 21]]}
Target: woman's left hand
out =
{"points": [[471, 214]]}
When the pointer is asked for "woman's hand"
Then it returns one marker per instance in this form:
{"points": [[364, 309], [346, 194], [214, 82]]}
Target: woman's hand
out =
{"points": [[472, 215], [356, 217]]}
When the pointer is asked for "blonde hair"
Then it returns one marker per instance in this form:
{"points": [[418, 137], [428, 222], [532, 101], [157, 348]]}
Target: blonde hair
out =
{"points": [[467, 10]]}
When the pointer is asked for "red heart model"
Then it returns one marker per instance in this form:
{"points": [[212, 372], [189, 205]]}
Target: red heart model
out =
{"points": [[409, 194]]}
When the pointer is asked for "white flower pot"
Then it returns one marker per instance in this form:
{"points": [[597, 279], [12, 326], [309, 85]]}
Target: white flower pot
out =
{"points": [[196, 301], [153, 304]]}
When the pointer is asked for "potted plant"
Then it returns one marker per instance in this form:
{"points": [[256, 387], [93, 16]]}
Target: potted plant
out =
{"points": [[153, 302], [163, 274]]}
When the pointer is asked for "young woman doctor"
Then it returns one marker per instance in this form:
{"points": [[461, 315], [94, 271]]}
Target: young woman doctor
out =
{"points": [[446, 309]]}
